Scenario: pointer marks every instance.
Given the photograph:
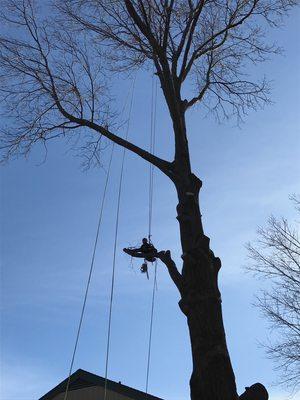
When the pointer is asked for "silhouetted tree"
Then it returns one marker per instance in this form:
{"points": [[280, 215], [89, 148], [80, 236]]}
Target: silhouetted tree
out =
{"points": [[55, 72], [276, 256]]}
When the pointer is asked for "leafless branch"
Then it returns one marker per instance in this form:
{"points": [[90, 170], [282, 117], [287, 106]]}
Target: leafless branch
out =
{"points": [[56, 65], [212, 43], [276, 256], [52, 83]]}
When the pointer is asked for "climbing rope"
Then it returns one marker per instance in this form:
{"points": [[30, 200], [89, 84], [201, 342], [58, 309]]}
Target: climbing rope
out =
{"points": [[151, 150], [90, 273], [151, 179], [151, 186], [151, 326], [115, 243], [93, 261]]}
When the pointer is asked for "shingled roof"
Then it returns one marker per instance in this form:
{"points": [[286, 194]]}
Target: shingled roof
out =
{"points": [[81, 379]]}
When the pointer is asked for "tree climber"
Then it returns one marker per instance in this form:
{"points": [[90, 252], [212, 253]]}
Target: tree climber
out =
{"points": [[146, 251]]}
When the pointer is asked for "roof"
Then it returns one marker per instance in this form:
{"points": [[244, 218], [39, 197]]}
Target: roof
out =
{"points": [[81, 379]]}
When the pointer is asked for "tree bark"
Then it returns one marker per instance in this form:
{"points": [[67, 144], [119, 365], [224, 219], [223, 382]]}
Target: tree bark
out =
{"points": [[212, 377]]}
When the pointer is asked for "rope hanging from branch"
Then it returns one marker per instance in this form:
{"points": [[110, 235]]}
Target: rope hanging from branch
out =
{"points": [[90, 272], [152, 150], [115, 243], [150, 214], [151, 187], [151, 326], [93, 260]]}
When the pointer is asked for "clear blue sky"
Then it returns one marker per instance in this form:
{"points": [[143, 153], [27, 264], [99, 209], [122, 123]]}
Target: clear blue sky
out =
{"points": [[48, 222]]}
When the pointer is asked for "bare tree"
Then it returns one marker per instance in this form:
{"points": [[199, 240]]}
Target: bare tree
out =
{"points": [[55, 69], [276, 256]]}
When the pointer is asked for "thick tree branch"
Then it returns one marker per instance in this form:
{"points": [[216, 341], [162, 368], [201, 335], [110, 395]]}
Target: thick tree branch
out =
{"points": [[143, 27], [161, 164], [38, 67], [165, 257]]}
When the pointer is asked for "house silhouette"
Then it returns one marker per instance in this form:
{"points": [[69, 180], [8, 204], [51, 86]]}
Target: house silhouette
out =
{"points": [[87, 386]]}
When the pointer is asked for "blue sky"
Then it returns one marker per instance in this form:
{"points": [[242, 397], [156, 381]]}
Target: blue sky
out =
{"points": [[48, 223]]}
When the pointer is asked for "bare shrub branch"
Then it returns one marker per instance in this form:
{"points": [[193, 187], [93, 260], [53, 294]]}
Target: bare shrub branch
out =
{"points": [[276, 256]]}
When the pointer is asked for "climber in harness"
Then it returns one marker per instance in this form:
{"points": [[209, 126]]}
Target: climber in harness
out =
{"points": [[146, 251]]}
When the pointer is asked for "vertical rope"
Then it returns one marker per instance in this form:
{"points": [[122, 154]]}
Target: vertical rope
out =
{"points": [[151, 186], [90, 273], [151, 327], [115, 245], [151, 150]]}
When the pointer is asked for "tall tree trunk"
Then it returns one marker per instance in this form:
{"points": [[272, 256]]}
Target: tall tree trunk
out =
{"points": [[212, 377]]}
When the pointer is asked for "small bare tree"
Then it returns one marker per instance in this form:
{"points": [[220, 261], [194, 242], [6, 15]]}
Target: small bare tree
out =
{"points": [[276, 256], [56, 63]]}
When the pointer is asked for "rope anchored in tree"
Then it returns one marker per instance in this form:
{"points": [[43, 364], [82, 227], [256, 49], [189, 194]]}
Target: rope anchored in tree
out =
{"points": [[152, 150], [93, 261], [147, 251], [115, 244], [90, 273]]}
